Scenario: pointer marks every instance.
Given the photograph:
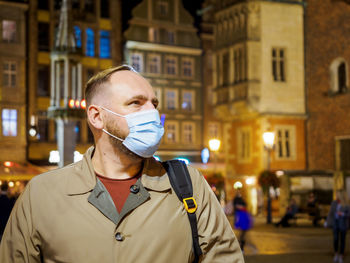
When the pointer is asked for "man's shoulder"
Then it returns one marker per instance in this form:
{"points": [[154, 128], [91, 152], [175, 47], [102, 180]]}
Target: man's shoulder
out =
{"points": [[55, 177]]}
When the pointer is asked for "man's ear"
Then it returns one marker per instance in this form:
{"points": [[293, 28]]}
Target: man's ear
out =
{"points": [[95, 117]]}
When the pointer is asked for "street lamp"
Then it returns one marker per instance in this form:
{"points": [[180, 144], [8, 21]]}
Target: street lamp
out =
{"points": [[214, 146], [269, 138]]}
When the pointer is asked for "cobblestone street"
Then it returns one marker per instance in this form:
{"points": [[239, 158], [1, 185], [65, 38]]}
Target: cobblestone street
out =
{"points": [[300, 243]]}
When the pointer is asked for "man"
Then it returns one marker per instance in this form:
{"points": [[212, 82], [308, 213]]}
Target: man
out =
{"points": [[116, 205]]}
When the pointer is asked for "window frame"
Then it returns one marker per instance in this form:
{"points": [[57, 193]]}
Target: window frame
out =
{"points": [[166, 66], [193, 96], [244, 144], [13, 36], [190, 67], [277, 63], [176, 99], [140, 55], [192, 132], [157, 65], [176, 132], [10, 120], [281, 154], [10, 73]]}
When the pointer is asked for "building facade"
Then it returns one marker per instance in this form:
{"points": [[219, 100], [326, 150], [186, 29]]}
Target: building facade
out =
{"points": [[97, 31], [328, 98], [13, 78], [162, 44], [259, 86]]}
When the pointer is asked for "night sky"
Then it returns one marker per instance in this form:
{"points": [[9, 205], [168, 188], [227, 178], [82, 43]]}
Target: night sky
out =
{"points": [[191, 5]]}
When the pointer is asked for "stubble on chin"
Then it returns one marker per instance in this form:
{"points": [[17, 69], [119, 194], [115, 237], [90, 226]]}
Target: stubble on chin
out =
{"points": [[117, 144]]}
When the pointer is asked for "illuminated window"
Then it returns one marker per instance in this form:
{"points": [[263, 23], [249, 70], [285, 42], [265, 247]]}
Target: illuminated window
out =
{"points": [[9, 74], [9, 31], [188, 132], [171, 99], [187, 67], [9, 122], [137, 61], [154, 64], [170, 65], [90, 42], [187, 100], [105, 44], [77, 34], [278, 64]]}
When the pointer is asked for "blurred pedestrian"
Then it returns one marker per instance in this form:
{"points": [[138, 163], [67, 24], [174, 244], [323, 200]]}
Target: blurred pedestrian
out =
{"points": [[313, 209], [242, 218], [338, 220], [6, 205], [292, 209]]}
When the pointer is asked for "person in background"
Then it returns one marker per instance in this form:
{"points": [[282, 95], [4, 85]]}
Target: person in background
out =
{"points": [[6, 205], [338, 220], [313, 209], [292, 209], [242, 219]]}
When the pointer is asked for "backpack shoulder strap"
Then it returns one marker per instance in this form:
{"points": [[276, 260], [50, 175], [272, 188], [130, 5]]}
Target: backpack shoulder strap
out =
{"points": [[181, 183]]}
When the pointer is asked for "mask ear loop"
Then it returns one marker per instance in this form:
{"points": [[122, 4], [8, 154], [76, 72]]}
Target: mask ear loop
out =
{"points": [[107, 132]]}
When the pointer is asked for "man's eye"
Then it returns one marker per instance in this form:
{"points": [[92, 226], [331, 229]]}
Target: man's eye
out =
{"points": [[136, 102]]}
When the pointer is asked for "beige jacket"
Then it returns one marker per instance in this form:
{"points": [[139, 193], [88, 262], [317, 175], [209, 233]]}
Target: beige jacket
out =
{"points": [[67, 215]]}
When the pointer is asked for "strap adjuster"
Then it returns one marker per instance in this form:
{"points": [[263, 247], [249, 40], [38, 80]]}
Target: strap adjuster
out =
{"points": [[190, 204]]}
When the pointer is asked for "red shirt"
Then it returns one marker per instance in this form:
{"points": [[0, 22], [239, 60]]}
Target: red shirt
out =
{"points": [[119, 189]]}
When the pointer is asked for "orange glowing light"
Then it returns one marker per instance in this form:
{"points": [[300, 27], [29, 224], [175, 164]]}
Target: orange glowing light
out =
{"points": [[8, 164], [71, 103], [83, 104], [77, 103]]}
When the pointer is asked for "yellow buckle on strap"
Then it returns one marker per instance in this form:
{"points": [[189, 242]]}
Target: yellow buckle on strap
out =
{"points": [[190, 204]]}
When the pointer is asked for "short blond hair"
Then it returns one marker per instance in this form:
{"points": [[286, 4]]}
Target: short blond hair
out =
{"points": [[96, 82]]}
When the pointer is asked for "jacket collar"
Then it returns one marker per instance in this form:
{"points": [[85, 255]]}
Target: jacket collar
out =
{"points": [[83, 178]]}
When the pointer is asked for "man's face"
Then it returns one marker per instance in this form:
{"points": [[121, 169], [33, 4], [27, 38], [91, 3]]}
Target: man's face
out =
{"points": [[127, 93]]}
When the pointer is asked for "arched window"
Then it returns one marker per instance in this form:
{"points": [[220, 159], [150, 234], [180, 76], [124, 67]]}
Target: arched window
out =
{"points": [[105, 44], [90, 42], [342, 77], [77, 34], [339, 76]]}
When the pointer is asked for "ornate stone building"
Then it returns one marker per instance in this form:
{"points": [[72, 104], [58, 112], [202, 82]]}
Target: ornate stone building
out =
{"points": [[97, 31], [258, 86], [162, 44], [13, 78]]}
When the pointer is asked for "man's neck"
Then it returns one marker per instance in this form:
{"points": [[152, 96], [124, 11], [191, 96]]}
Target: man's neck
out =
{"points": [[111, 163]]}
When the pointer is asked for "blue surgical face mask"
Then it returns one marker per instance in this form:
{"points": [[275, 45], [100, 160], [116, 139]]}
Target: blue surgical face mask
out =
{"points": [[145, 132]]}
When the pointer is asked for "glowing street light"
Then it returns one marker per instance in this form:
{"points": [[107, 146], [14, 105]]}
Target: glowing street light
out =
{"points": [[214, 145]]}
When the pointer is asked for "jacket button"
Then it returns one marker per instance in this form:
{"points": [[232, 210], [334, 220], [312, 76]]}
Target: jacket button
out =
{"points": [[119, 237], [134, 189]]}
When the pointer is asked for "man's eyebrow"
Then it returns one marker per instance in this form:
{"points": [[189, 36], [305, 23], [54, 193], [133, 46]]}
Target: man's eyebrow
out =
{"points": [[141, 97]]}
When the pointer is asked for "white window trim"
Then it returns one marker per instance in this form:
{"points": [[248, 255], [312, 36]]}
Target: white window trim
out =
{"points": [[278, 59], [292, 142], [176, 99], [193, 132], [5, 40], [176, 125], [193, 96]]}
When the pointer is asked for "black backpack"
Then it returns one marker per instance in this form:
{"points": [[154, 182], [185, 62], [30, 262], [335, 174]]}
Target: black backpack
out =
{"points": [[181, 183]]}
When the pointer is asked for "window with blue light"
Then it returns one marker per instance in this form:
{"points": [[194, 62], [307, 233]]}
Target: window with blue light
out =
{"points": [[9, 122], [77, 34], [105, 44], [90, 42]]}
